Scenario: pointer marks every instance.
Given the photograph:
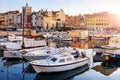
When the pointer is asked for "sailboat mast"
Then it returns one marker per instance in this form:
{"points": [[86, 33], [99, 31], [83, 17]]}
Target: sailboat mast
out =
{"points": [[23, 28], [7, 24]]}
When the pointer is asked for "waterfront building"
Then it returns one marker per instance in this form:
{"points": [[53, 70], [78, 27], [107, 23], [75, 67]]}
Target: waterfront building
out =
{"points": [[26, 14], [42, 20], [37, 19], [98, 21], [17, 20], [82, 22], [10, 18], [59, 16], [73, 21], [46, 20], [2, 20], [34, 19], [52, 19]]}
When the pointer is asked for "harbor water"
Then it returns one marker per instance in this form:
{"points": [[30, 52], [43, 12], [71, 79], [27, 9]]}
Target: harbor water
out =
{"points": [[21, 70]]}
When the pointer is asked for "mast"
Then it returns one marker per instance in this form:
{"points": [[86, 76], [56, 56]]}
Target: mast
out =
{"points": [[7, 24], [23, 45]]}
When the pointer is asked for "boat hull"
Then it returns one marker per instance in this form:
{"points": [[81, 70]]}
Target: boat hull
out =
{"points": [[59, 68], [117, 56]]}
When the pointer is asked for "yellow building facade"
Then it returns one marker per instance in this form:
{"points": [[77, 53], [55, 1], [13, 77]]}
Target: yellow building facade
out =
{"points": [[47, 19], [98, 21], [48, 23], [59, 16], [2, 20]]}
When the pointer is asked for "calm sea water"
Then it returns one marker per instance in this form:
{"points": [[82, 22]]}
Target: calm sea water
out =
{"points": [[20, 70]]}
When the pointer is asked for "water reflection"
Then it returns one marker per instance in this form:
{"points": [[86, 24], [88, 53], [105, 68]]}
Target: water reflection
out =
{"points": [[104, 71], [13, 70], [10, 63], [111, 64], [67, 75], [29, 69], [1, 53], [108, 67]]}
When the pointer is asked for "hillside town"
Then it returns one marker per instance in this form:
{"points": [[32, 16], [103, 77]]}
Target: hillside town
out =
{"points": [[45, 20]]}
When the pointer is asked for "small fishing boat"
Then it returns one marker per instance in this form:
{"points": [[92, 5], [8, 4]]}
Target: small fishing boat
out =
{"points": [[111, 55], [60, 62]]}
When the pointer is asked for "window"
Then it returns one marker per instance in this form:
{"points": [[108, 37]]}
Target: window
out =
{"points": [[62, 60], [53, 59], [41, 17], [58, 19], [69, 59]]}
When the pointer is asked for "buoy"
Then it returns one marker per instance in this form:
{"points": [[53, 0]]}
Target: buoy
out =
{"points": [[107, 58]]}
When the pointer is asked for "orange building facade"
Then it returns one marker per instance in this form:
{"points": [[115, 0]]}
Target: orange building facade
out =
{"points": [[73, 21]]}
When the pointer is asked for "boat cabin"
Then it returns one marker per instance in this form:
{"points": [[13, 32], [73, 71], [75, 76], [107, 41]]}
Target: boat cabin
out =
{"points": [[60, 59], [64, 58]]}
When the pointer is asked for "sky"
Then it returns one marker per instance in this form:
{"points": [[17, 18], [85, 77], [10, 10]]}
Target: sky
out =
{"points": [[70, 7]]}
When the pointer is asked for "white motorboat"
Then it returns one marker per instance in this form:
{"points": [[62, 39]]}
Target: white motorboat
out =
{"points": [[12, 55], [44, 52], [40, 53], [28, 44], [66, 75], [60, 62]]}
